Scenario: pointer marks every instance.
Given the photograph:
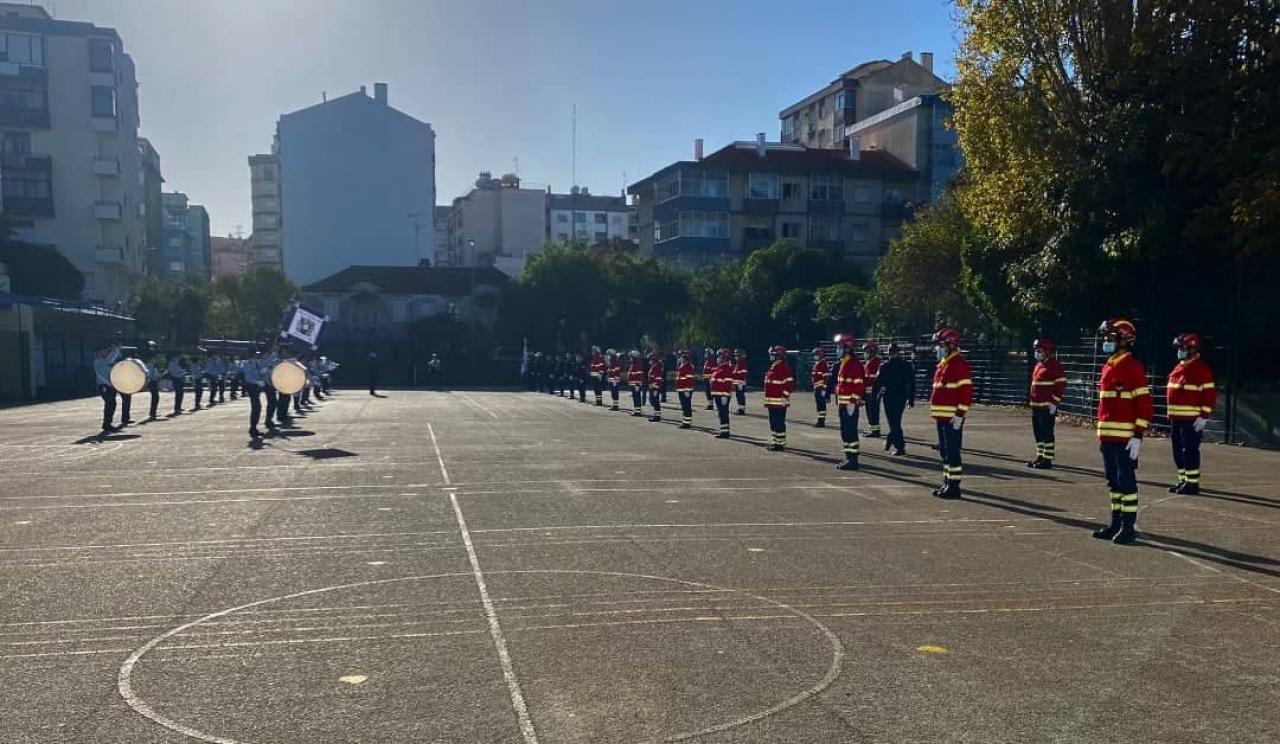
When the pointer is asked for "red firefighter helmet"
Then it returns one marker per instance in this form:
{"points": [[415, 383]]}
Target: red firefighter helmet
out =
{"points": [[725, 354], [778, 352], [819, 352], [1045, 344], [1122, 329], [845, 341], [871, 347], [1189, 341], [686, 354], [949, 336]]}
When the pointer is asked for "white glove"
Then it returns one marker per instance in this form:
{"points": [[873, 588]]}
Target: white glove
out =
{"points": [[1199, 424], [1053, 409], [848, 409], [957, 422], [1134, 447]]}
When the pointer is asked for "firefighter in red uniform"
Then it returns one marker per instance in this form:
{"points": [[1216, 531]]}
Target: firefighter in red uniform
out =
{"points": [[708, 366], [657, 381], [851, 385], [1124, 413], [1191, 396], [818, 375], [635, 381], [1048, 383], [872, 369], [779, 384], [614, 375], [597, 374], [740, 381], [722, 384], [948, 404], [685, 380]]}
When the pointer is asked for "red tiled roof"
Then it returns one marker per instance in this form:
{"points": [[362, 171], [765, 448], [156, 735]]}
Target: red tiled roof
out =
{"points": [[808, 160], [411, 280]]}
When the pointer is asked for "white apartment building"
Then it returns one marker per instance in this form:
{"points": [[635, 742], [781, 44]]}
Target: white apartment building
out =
{"points": [[582, 215], [69, 157], [265, 245], [496, 224]]}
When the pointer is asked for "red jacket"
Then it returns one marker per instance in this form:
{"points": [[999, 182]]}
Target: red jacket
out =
{"points": [[597, 367], [1124, 400], [684, 377], [615, 370], [872, 369], [1048, 383], [635, 373], [657, 376], [779, 383], [851, 382], [1191, 391], [819, 373], [708, 367], [952, 388], [722, 380], [740, 373]]}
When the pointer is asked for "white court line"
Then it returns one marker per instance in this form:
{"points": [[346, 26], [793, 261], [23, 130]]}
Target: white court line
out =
{"points": [[109, 505], [203, 492], [477, 403], [490, 614], [231, 541]]}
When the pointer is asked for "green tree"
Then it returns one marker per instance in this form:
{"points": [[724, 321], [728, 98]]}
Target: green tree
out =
{"points": [[265, 294], [839, 308], [38, 269]]}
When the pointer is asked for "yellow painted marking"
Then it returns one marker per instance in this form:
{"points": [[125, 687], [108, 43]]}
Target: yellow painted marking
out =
{"points": [[353, 679], [25, 521], [673, 501], [932, 650], [377, 563], [755, 550]]}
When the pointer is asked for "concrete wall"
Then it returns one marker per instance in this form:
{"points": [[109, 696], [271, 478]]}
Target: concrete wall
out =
{"points": [[352, 171]]}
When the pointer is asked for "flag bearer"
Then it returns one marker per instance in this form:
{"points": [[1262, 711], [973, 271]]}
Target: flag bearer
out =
{"points": [[615, 376], [708, 367], [948, 404], [635, 381], [740, 381], [1191, 396], [1048, 383], [851, 385], [818, 375], [657, 381], [1124, 413], [871, 350], [779, 383], [597, 374], [722, 384], [685, 380]]}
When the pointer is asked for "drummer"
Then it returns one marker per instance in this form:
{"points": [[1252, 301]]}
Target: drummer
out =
{"points": [[107, 356]]}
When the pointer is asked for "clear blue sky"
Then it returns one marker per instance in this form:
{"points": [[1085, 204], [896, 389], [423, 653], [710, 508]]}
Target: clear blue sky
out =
{"points": [[495, 78]]}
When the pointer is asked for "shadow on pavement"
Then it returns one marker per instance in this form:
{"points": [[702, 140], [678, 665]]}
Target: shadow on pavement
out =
{"points": [[327, 453], [97, 438]]}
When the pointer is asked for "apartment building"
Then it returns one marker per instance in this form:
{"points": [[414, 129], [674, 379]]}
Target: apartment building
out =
{"points": [[69, 151], [150, 209], [748, 195], [187, 248], [497, 224], [581, 215], [356, 186], [915, 132], [820, 119], [229, 256], [265, 246]]}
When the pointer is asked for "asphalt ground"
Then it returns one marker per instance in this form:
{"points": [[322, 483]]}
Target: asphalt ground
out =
{"points": [[509, 567]]}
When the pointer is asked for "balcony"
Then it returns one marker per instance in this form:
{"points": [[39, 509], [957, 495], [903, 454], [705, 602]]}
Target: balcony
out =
{"points": [[17, 116], [112, 255], [106, 167], [27, 189], [106, 210], [897, 211]]}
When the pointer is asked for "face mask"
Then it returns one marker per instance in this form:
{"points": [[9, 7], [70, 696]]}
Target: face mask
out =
{"points": [[941, 351], [1040, 356], [1183, 353], [1109, 347]]}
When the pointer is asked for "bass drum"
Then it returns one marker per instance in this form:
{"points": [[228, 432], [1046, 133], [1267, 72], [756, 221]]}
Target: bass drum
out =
{"points": [[289, 377], [128, 376]]}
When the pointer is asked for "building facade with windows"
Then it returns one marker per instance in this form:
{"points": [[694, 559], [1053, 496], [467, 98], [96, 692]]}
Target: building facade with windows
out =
{"points": [[916, 132], [820, 120], [497, 224], [187, 245], [748, 195], [69, 155], [228, 256], [581, 215], [265, 248], [356, 186], [150, 208]]}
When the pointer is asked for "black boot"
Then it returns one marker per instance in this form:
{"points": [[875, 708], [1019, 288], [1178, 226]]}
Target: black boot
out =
{"points": [[952, 491], [1177, 487], [850, 463], [1108, 532], [1126, 534], [722, 435], [773, 447], [822, 424], [1190, 489], [710, 407]]}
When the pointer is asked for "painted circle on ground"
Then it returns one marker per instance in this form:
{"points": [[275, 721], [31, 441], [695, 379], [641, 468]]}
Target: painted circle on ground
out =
{"points": [[125, 675]]}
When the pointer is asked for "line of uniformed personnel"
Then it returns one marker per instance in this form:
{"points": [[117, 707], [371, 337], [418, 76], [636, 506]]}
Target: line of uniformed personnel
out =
{"points": [[1124, 410]]}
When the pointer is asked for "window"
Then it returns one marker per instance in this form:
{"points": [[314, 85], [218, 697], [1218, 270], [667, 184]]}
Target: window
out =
{"points": [[268, 173], [824, 228], [175, 267], [101, 55], [26, 184], [617, 222], [758, 227], [858, 233], [665, 231], [667, 187], [268, 221], [562, 217], [892, 196], [24, 49], [602, 218], [762, 186], [704, 225], [791, 190], [845, 100], [175, 242], [709, 184], [788, 128], [861, 194], [602, 237], [15, 147], [103, 101], [562, 236], [790, 229], [826, 188], [579, 218], [27, 95]]}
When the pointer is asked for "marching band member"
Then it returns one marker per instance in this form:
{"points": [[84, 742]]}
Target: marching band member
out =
{"points": [[851, 385], [722, 385], [597, 374], [779, 383], [657, 381], [708, 367], [153, 385], [635, 380], [197, 379], [740, 381], [177, 371], [580, 376], [818, 375], [615, 376], [214, 372], [684, 388], [251, 373], [107, 355]]}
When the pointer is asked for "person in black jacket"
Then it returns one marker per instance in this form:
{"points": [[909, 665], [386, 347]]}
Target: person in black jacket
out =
{"points": [[896, 385]]}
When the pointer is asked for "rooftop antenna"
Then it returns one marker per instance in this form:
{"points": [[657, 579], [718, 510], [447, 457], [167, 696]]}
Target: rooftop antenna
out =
{"points": [[574, 158]]}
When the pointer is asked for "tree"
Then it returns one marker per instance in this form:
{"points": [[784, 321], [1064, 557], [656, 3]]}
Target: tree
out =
{"points": [[265, 294], [39, 270], [839, 308]]}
